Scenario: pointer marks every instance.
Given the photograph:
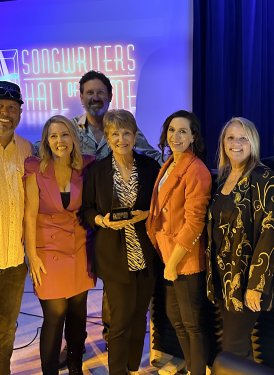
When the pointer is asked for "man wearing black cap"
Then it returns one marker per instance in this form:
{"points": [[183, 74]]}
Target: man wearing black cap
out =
{"points": [[13, 151]]}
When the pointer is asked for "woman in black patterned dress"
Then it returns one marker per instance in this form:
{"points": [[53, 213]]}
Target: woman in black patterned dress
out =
{"points": [[240, 253], [116, 200]]}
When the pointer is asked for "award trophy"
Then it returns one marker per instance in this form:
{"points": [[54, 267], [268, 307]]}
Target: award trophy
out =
{"points": [[120, 213]]}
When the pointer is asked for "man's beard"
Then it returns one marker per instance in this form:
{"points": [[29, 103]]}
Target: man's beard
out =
{"points": [[97, 111]]}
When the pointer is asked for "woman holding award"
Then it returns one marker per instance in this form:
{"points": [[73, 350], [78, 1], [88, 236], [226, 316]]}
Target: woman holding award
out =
{"points": [[116, 200]]}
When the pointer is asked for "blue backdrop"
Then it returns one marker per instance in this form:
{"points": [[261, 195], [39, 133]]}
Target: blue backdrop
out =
{"points": [[143, 46]]}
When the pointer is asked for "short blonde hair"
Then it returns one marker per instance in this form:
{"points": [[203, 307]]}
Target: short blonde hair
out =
{"points": [[119, 118], [224, 165], [45, 151]]}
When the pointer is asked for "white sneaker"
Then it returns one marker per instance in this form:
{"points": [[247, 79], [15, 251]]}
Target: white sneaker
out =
{"points": [[159, 359], [172, 367]]}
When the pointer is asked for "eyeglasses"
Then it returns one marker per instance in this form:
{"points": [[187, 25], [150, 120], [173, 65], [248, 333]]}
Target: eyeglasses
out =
{"points": [[12, 93]]}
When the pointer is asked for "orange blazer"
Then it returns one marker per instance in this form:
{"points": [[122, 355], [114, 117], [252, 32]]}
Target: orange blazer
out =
{"points": [[178, 210]]}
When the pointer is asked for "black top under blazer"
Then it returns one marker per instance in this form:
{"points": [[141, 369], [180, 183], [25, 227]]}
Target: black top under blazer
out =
{"points": [[108, 245]]}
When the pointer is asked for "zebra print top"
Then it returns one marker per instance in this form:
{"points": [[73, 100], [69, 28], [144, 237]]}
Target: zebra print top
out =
{"points": [[127, 193]]}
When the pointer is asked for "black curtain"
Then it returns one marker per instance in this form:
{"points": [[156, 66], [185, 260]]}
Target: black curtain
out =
{"points": [[233, 71]]}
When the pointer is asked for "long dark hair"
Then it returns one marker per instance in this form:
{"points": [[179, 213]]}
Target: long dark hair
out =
{"points": [[198, 143]]}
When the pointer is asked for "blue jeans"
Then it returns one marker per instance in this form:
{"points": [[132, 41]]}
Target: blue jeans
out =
{"points": [[12, 281], [185, 304]]}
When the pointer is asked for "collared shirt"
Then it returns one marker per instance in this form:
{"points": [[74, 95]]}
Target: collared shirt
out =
{"points": [[100, 150], [12, 201]]}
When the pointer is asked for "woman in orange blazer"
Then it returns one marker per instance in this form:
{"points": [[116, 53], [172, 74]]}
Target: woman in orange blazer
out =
{"points": [[175, 226], [56, 242]]}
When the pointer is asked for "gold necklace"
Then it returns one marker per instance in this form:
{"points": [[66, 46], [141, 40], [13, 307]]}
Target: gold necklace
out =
{"points": [[129, 166]]}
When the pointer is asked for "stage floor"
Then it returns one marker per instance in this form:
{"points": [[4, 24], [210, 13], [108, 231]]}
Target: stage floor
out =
{"points": [[26, 360]]}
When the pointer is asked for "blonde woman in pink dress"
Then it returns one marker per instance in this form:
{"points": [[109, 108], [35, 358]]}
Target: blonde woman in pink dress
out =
{"points": [[56, 242]]}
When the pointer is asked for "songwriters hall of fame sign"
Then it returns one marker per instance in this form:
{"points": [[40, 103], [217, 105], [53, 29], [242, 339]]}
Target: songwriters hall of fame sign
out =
{"points": [[49, 77]]}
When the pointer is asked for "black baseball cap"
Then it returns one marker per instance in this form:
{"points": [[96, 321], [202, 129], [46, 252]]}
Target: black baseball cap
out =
{"points": [[11, 91]]}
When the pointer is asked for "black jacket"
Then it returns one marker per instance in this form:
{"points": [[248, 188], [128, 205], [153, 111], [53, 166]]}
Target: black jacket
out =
{"points": [[108, 245]]}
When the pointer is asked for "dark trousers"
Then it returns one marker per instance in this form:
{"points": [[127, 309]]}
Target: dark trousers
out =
{"points": [[105, 316], [128, 308], [237, 329], [56, 311], [185, 300], [12, 282]]}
